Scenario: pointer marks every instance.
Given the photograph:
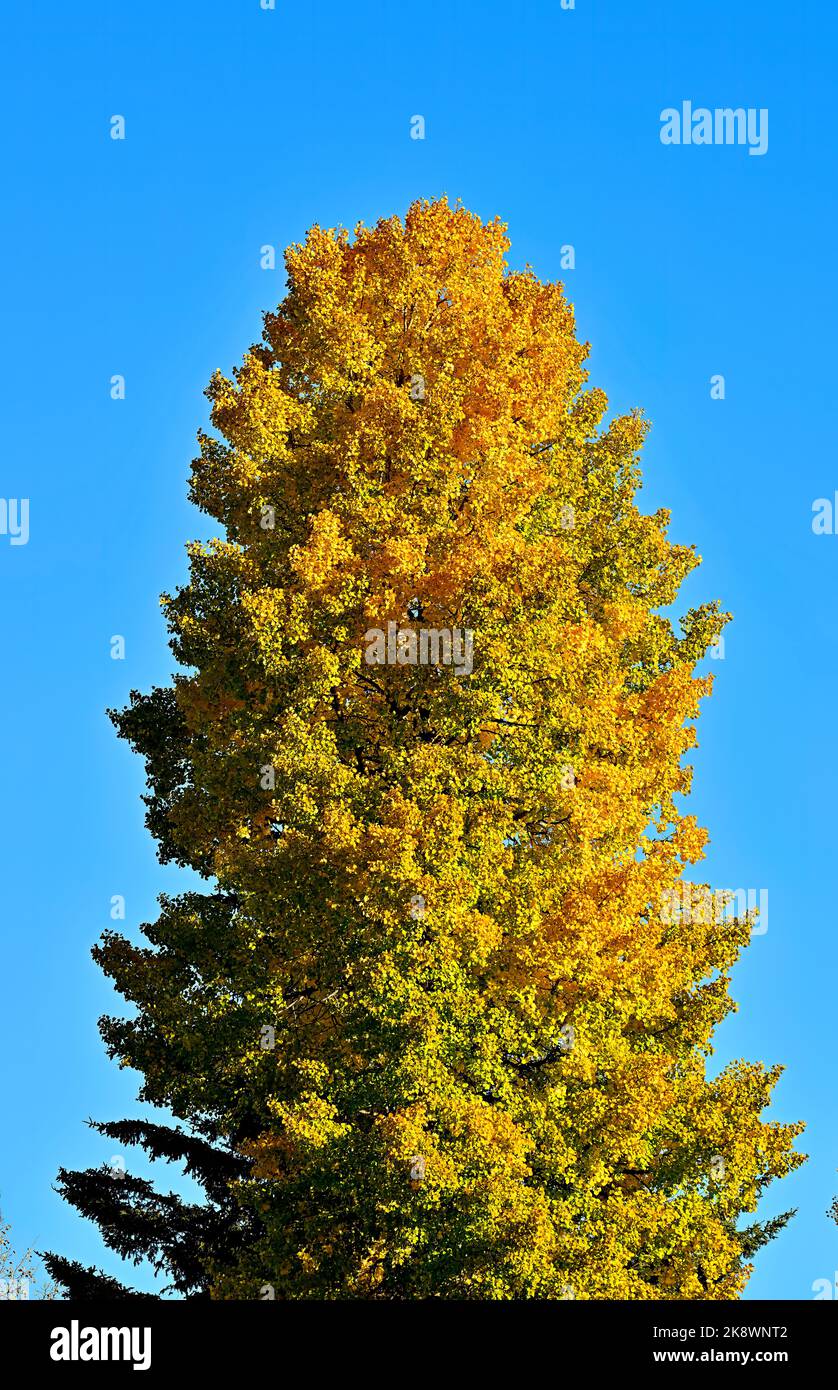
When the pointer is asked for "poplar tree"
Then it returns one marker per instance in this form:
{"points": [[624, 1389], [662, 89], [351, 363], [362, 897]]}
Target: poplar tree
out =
{"points": [[426, 743]]}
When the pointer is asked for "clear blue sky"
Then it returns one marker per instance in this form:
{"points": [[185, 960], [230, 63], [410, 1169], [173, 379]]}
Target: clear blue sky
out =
{"points": [[141, 257]]}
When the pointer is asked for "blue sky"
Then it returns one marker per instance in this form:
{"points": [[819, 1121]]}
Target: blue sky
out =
{"points": [[142, 257]]}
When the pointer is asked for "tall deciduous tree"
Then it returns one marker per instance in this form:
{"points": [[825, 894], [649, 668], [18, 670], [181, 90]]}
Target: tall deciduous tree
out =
{"points": [[426, 741]]}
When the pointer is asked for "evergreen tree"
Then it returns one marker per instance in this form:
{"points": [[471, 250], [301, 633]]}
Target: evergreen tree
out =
{"points": [[181, 1239]]}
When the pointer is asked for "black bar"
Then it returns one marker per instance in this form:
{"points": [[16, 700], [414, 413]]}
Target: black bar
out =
{"points": [[390, 1343]]}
